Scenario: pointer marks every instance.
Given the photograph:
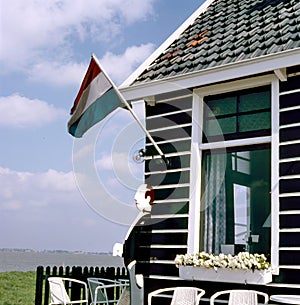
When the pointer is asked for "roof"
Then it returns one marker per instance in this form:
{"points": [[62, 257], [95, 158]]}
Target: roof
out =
{"points": [[227, 32]]}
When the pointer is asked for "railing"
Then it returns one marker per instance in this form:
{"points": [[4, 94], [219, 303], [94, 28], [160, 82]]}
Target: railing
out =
{"points": [[79, 273]]}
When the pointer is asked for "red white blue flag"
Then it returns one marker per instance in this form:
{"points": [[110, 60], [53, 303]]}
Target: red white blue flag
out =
{"points": [[97, 97]]}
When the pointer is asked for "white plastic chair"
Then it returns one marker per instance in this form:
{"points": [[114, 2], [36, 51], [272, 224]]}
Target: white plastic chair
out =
{"points": [[103, 291], [181, 295], [58, 292], [241, 297], [125, 297]]}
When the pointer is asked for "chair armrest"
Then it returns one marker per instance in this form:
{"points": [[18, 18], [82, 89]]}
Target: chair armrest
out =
{"points": [[74, 280], [103, 286], [78, 282], [157, 292], [200, 293]]}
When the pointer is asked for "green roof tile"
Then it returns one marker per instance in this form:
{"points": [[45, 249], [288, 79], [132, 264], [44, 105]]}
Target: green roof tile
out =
{"points": [[229, 31]]}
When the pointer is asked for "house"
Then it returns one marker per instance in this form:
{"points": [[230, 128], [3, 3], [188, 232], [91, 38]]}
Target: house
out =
{"points": [[222, 99]]}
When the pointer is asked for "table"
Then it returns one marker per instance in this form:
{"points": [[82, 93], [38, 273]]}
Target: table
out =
{"points": [[286, 299]]}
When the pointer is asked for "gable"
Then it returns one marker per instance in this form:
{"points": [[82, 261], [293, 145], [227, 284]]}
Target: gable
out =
{"points": [[228, 32]]}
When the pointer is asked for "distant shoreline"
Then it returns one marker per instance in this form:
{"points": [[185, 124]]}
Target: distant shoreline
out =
{"points": [[29, 260], [53, 251]]}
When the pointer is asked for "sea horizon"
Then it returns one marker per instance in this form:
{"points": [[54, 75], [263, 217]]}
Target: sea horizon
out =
{"points": [[29, 260]]}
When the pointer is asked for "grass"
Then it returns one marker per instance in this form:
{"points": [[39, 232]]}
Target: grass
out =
{"points": [[17, 288]]}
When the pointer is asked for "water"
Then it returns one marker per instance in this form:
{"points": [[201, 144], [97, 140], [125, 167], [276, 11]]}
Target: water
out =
{"points": [[29, 260]]}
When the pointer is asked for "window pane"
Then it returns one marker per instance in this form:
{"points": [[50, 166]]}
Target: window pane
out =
{"points": [[252, 122], [223, 106], [238, 113], [255, 101], [241, 162], [241, 214], [213, 202], [236, 200], [222, 126]]}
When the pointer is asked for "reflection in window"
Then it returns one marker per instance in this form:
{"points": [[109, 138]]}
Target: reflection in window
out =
{"points": [[241, 162], [241, 214], [236, 199]]}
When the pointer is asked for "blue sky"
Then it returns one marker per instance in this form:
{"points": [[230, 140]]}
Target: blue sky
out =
{"points": [[45, 48]]}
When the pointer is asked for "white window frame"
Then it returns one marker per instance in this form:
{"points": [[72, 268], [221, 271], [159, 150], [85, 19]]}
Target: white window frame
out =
{"points": [[196, 154]]}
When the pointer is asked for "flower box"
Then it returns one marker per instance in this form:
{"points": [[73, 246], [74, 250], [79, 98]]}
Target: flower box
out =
{"points": [[260, 277]]}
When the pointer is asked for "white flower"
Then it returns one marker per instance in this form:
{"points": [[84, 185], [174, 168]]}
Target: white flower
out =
{"points": [[243, 260]]}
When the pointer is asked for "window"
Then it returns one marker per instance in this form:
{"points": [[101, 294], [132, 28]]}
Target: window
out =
{"points": [[236, 180], [239, 115], [236, 200]]}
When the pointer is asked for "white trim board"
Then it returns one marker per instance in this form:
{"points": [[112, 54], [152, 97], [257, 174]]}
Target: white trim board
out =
{"points": [[245, 68], [199, 94]]}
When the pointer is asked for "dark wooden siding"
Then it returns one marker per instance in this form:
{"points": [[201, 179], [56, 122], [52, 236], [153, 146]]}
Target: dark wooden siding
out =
{"points": [[289, 182], [169, 122], [171, 183]]}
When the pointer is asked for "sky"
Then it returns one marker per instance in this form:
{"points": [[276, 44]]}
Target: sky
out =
{"points": [[57, 192]]}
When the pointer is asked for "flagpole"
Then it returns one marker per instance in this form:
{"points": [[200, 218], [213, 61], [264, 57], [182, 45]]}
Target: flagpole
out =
{"points": [[131, 110]]}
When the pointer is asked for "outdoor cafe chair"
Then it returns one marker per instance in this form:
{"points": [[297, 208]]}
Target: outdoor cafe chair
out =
{"points": [[238, 297], [105, 291], [180, 296], [59, 294]]}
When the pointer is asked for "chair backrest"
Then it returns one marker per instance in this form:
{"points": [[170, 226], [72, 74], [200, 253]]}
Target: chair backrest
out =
{"points": [[107, 291], [58, 293], [238, 297], [180, 295], [97, 295], [242, 297], [136, 285], [186, 296], [125, 297]]}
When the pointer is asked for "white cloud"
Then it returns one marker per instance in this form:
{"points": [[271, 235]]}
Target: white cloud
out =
{"points": [[117, 169], [114, 161], [58, 73], [56, 181], [20, 111], [118, 66], [21, 190], [121, 66], [46, 211], [38, 25]]}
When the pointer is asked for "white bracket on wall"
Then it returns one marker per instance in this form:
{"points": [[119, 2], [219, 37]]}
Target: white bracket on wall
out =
{"points": [[150, 100], [281, 74]]}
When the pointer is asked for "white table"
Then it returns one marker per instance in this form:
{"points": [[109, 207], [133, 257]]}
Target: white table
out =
{"points": [[286, 299]]}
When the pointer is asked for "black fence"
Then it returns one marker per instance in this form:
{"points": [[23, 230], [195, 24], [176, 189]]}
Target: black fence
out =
{"points": [[79, 273]]}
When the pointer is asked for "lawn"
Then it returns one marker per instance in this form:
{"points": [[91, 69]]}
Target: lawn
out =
{"points": [[17, 288]]}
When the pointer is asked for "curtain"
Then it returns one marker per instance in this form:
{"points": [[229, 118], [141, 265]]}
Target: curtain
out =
{"points": [[214, 203]]}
